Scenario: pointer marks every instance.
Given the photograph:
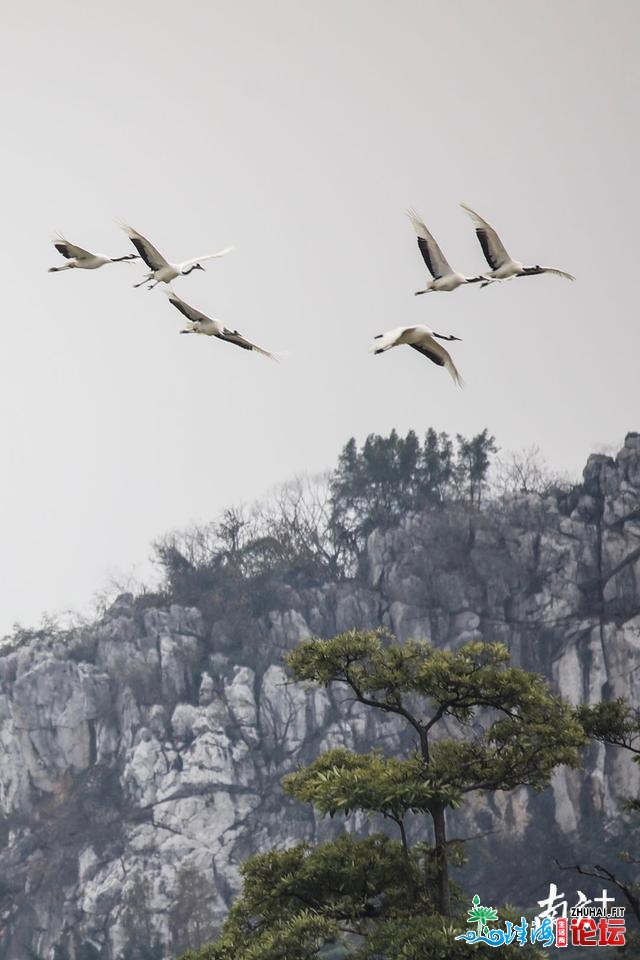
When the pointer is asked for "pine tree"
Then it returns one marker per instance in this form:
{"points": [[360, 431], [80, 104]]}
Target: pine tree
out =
{"points": [[381, 896]]}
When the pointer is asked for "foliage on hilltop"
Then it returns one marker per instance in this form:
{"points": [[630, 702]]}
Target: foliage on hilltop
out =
{"points": [[314, 530]]}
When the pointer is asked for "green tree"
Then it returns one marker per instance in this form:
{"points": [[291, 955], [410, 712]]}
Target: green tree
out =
{"points": [[391, 897], [390, 476], [436, 468], [521, 731], [473, 462], [344, 899], [377, 484]]}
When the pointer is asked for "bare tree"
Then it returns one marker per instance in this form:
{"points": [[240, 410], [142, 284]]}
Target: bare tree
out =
{"points": [[526, 471], [299, 515]]}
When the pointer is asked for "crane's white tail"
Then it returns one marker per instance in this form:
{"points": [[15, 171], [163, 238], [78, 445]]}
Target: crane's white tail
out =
{"points": [[387, 341]]}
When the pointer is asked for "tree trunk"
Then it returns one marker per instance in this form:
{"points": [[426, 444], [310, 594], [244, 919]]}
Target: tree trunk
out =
{"points": [[405, 856], [442, 863]]}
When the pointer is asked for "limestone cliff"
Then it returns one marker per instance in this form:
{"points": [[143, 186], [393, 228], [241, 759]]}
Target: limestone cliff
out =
{"points": [[142, 756]]}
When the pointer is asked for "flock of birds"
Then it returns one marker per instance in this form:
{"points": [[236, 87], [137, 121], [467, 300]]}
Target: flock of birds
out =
{"points": [[419, 337], [160, 271]]}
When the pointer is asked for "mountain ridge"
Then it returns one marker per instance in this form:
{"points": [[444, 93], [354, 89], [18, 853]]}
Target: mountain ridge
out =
{"points": [[152, 743]]}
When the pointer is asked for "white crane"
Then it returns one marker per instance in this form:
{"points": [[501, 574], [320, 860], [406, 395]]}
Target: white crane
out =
{"points": [[161, 271], [200, 323], [421, 338], [82, 259], [444, 277], [502, 266]]}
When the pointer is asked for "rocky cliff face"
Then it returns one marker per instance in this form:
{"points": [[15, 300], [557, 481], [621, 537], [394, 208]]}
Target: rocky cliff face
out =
{"points": [[141, 757]]}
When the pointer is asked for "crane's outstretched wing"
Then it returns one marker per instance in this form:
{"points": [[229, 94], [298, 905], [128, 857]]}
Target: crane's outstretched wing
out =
{"points": [[437, 354], [232, 336], [207, 256], [558, 273], [70, 251], [437, 264], [492, 246], [153, 259], [428, 351], [185, 308]]}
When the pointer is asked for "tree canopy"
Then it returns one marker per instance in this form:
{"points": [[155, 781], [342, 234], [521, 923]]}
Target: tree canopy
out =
{"points": [[391, 476]]}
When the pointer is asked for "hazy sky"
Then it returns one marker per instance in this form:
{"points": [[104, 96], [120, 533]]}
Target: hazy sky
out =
{"points": [[300, 132]]}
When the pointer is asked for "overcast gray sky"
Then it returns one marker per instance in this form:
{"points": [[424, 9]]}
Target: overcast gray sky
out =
{"points": [[300, 132]]}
